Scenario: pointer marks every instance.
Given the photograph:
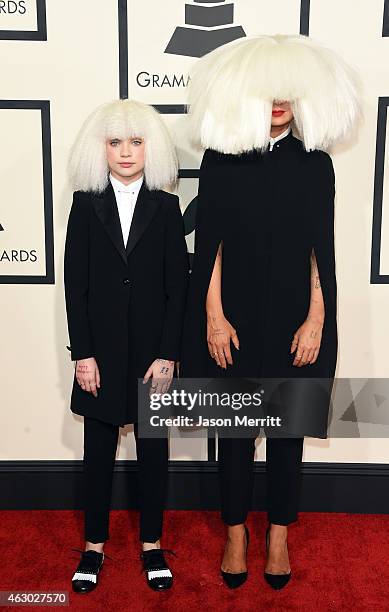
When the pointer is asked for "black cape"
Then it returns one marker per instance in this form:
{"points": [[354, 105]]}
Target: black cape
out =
{"points": [[270, 210]]}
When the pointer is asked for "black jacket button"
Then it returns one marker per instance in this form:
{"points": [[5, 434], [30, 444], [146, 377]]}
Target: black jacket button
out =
{"points": [[126, 281]]}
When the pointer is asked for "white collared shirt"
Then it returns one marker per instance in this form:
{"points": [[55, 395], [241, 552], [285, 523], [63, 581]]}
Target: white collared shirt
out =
{"points": [[282, 135], [126, 197]]}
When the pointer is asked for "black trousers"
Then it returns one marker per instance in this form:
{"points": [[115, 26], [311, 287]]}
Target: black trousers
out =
{"points": [[283, 478], [100, 443]]}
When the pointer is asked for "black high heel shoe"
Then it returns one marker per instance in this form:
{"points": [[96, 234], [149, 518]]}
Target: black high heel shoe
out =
{"points": [[276, 581], [233, 581]]}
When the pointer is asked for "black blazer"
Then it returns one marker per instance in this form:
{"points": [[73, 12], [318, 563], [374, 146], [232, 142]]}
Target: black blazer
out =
{"points": [[125, 305]]}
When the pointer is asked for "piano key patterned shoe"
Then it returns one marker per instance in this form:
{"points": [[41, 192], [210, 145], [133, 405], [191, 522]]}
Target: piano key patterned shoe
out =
{"points": [[158, 574], [85, 578]]}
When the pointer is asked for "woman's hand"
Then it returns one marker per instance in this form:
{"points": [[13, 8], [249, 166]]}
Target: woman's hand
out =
{"points": [[88, 375], [307, 340], [219, 334], [161, 371]]}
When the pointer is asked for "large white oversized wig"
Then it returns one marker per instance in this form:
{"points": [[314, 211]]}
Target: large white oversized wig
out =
{"points": [[122, 119], [231, 91]]}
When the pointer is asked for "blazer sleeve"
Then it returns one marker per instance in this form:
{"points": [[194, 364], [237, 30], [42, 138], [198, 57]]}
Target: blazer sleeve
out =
{"points": [[323, 206], [176, 281], [76, 273]]}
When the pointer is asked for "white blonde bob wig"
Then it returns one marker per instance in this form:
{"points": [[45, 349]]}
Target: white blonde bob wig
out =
{"points": [[232, 89], [122, 119]]}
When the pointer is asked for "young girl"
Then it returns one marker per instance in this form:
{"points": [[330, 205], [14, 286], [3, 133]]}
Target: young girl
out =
{"points": [[126, 272]]}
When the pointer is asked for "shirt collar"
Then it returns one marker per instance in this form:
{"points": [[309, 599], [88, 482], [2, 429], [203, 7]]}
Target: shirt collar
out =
{"points": [[282, 135], [133, 187]]}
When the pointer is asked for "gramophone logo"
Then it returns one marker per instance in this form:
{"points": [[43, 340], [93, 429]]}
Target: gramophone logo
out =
{"points": [[206, 28]]}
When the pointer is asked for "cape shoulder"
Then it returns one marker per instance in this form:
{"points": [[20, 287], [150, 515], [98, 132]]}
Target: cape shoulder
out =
{"points": [[321, 167]]}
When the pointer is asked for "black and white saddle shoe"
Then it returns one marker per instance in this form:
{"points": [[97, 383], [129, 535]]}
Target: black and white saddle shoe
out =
{"points": [[158, 573], [85, 578]]}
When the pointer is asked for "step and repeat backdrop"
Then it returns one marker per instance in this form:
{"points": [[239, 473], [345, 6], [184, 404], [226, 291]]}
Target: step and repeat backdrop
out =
{"points": [[61, 58]]}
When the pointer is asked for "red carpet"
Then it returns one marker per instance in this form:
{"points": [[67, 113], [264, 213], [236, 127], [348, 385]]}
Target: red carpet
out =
{"points": [[339, 562]]}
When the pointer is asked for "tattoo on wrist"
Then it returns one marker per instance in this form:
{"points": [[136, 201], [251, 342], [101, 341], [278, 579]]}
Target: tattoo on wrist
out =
{"points": [[168, 361], [214, 318]]}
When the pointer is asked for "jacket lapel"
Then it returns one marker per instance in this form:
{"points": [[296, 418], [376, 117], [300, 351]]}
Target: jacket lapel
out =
{"points": [[146, 206], [106, 209]]}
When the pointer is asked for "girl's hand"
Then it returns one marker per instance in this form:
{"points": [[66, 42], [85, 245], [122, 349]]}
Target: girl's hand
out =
{"points": [[161, 371], [307, 340], [219, 334], [88, 375]]}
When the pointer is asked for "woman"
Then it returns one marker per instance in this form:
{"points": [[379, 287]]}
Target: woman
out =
{"points": [[262, 296], [126, 271]]}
